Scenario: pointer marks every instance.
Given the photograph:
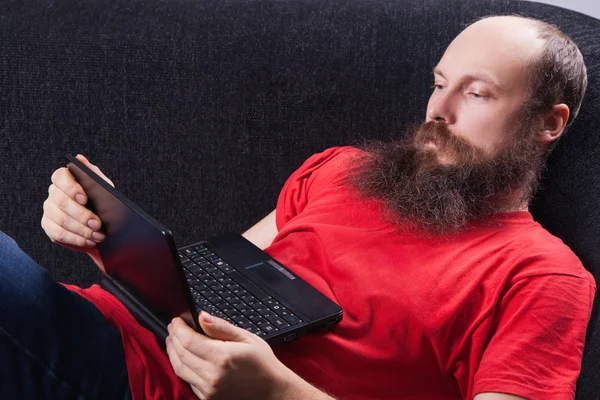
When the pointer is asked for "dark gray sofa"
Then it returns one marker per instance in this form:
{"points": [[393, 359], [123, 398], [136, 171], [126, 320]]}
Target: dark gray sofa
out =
{"points": [[199, 110]]}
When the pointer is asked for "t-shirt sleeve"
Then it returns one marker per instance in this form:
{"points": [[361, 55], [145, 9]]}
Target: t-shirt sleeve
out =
{"points": [[300, 186], [539, 330]]}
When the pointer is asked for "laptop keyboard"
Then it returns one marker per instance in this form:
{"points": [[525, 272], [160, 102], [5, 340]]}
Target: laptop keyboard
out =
{"points": [[220, 290]]}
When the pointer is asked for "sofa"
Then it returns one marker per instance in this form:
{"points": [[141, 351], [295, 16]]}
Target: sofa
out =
{"points": [[199, 110]]}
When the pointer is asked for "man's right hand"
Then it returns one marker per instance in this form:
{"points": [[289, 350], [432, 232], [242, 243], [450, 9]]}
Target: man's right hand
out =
{"points": [[66, 220]]}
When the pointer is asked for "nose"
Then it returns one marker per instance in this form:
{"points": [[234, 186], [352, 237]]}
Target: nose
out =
{"points": [[441, 108]]}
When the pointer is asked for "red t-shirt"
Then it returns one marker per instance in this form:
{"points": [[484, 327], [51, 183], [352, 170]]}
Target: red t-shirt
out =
{"points": [[502, 307]]}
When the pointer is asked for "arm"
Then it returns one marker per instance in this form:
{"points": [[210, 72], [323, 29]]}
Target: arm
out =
{"points": [[497, 396], [263, 233], [229, 360]]}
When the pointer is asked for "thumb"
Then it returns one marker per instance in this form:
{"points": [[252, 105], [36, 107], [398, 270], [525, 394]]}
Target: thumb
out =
{"points": [[220, 329], [94, 168]]}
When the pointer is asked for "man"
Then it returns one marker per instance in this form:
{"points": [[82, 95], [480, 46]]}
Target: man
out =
{"points": [[450, 289]]}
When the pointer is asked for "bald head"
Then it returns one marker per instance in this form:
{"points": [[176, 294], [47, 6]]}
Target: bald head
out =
{"points": [[505, 36]]}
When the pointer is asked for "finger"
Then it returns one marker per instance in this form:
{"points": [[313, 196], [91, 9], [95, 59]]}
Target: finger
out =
{"points": [[198, 365], [220, 329], [183, 371], [60, 235], [198, 344], [94, 168], [72, 209], [65, 181], [52, 212]]}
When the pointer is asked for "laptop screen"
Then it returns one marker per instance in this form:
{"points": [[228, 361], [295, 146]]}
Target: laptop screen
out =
{"points": [[138, 251]]}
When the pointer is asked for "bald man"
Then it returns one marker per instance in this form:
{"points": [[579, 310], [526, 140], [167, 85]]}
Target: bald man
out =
{"points": [[450, 290]]}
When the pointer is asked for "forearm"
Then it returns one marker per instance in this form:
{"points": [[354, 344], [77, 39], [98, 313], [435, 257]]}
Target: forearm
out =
{"points": [[294, 387], [263, 233]]}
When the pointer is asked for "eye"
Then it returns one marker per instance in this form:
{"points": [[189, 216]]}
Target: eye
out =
{"points": [[437, 86], [477, 95]]}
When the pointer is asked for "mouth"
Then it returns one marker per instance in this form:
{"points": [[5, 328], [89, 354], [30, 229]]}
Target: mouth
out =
{"points": [[431, 143]]}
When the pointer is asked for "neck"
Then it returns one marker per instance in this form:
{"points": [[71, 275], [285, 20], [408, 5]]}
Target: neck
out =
{"points": [[513, 203]]}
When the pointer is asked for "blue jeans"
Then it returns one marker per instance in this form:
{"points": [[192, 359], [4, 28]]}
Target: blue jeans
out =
{"points": [[54, 344]]}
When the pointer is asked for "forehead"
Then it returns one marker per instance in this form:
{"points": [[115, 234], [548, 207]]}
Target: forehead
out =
{"points": [[498, 49]]}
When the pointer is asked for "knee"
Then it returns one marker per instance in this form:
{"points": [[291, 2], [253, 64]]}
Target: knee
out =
{"points": [[8, 247], [13, 260]]}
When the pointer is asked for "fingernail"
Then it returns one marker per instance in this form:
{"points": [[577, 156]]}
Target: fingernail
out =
{"points": [[81, 199], [89, 243], [207, 317], [98, 236], [94, 224]]}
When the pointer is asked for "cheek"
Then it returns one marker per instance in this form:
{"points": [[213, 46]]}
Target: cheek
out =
{"points": [[483, 128]]}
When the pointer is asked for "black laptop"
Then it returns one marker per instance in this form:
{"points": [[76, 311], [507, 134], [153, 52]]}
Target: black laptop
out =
{"points": [[226, 276]]}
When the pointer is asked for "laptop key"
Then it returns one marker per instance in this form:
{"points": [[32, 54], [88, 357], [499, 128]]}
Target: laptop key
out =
{"points": [[233, 315], [200, 286], [220, 303], [271, 302], [252, 316], [292, 319], [278, 322], [246, 296], [230, 297], [242, 322], [226, 268], [251, 302], [213, 297], [268, 328], [218, 274], [227, 309], [237, 303], [259, 321], [217, 286], [224, 280], [260, 308], [268, 314], [253, 329], [283, 312], [245, 309]]}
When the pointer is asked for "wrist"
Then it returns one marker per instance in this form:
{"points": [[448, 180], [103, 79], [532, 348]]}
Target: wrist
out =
{"points": [[288, 385]]}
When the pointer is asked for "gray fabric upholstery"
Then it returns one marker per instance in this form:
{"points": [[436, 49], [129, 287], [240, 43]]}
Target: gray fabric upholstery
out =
{"points": [[199, 110]]}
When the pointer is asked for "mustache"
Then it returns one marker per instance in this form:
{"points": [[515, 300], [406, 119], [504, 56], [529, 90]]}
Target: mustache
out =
{"points": [[446, 140]]}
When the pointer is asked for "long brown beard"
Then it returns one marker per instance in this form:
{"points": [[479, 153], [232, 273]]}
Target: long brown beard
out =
{"points": [[417, 191]]}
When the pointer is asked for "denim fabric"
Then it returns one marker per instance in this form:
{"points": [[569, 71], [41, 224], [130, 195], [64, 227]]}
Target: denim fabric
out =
{"points": [[54, 344]]}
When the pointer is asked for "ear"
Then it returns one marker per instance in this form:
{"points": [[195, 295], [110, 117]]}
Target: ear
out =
{"points": [[555, 122]]}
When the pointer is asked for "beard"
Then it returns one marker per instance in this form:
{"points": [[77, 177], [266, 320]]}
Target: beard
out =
{"points": [[436, 182]]}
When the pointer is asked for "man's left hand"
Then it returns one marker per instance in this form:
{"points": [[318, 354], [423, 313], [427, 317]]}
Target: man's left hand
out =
{"points": [[228, 363]]}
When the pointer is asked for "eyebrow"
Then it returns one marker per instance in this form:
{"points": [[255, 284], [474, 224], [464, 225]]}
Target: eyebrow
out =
{"points": [[474, 77]]}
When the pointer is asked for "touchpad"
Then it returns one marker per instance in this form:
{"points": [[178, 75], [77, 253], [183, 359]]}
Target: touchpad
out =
{"points": [[270, 272]]}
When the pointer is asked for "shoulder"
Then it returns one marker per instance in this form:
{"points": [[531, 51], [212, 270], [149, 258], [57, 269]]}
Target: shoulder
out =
{"points": [[322, 169], [540, 253]]}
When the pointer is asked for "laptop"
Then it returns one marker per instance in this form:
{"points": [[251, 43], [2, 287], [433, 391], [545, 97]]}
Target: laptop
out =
{"points": [[226, 276]]}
